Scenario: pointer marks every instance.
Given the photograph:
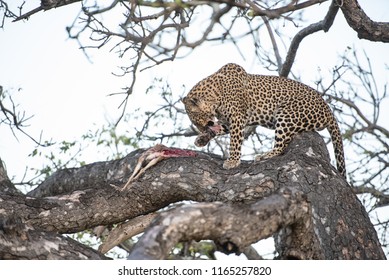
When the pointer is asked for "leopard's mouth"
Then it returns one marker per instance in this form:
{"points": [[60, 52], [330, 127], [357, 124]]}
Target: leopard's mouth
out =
{"points": [[214, 128]]}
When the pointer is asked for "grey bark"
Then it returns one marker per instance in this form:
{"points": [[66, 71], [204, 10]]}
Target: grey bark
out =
{"points": [[298, 197], [19, 240], [358, 20]]}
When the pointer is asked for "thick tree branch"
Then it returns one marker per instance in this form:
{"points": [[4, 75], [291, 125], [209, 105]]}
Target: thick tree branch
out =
{"points": [[338, 218], [233, 227], [6, 185], [19, 241], [362, 24], [125, 231]]}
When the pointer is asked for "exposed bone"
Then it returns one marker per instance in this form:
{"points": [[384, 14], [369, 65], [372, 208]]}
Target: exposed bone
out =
{"points": [[152, 156]]}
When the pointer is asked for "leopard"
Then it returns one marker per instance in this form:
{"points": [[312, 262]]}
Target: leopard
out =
{"points": [[231, 100]]}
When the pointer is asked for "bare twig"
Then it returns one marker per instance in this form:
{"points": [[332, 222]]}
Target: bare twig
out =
{"points": [[274, 43], [324, 25], [16, 119]]}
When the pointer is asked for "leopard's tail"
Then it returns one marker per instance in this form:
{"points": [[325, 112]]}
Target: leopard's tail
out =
{"points": [[337, 142]]}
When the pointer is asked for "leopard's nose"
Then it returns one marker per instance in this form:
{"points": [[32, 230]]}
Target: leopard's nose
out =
{"points": [[210, 123]]}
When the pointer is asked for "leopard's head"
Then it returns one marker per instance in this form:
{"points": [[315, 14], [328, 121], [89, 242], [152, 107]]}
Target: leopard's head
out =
{"points": [[202, 104], [200, 112]]}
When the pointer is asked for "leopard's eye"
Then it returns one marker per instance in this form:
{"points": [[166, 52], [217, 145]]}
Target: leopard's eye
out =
{"points": [[194, 101]]}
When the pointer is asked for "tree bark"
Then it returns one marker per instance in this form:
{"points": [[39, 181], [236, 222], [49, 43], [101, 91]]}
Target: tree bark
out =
{"points": [[19, 240], [362, 24], [298, 196]]}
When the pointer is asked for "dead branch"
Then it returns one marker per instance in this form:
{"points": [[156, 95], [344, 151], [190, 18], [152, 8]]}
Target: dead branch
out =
{"points": [[125, 231], [233, 227]]}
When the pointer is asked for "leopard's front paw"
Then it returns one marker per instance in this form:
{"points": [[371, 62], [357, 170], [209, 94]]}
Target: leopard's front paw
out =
{"points": [[203, 139], [228, 164]]}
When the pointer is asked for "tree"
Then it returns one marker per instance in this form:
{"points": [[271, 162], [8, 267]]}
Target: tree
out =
{"points": [[297, 197]]}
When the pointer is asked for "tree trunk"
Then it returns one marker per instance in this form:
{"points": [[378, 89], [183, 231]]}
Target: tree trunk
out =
{"points": [[298, 197]]}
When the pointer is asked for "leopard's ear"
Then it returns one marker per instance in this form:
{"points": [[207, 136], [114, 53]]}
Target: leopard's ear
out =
{"points": [[190, 100]]}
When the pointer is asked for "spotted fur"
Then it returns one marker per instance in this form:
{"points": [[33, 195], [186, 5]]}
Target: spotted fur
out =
{"points": [[231, 99]]}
